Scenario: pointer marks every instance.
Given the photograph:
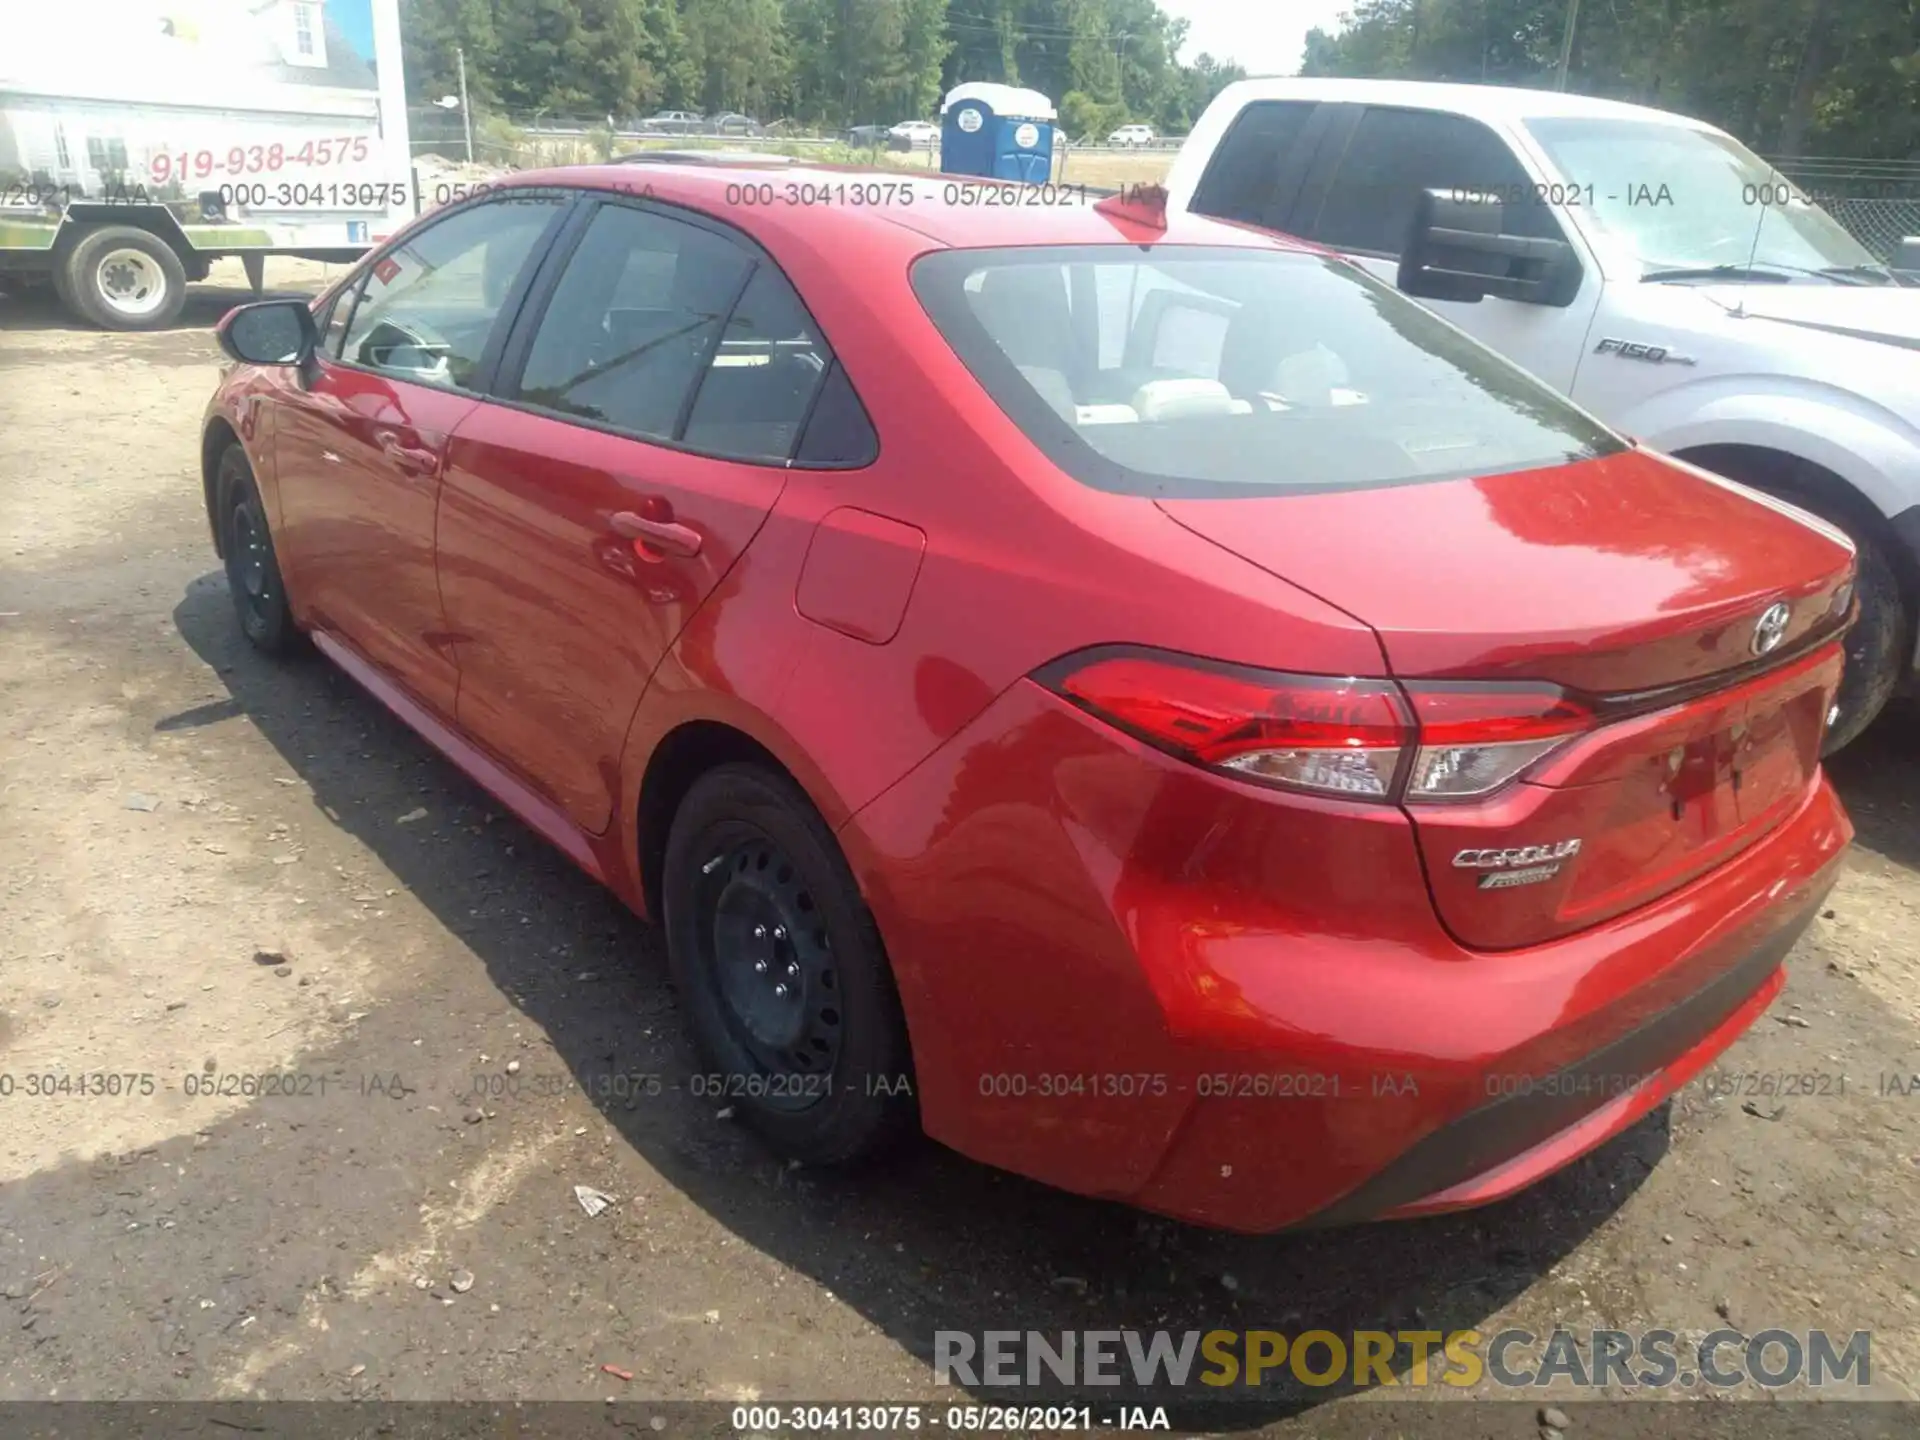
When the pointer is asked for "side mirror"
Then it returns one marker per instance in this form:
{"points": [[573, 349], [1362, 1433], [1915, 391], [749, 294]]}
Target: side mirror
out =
{"points": [[269, 332], [1455, 250]]}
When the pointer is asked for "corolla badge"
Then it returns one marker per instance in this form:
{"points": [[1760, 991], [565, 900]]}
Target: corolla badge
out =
{"points": [[1771, 628], [1517, 855], [1518, 865]]}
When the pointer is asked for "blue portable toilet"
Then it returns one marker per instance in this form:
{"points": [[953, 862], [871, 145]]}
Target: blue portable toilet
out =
{"points": [[1000, 131]]}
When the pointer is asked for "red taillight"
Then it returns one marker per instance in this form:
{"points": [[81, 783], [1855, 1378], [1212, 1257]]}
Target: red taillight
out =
{"points": [[1476, 737], [1334, 735], [1311, 732]]}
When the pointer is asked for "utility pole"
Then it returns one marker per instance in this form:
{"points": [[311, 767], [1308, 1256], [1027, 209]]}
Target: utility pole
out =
{"points": [[466, 114], [1566, 42]]}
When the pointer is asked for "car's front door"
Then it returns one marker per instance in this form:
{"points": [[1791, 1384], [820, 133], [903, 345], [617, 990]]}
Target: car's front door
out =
{"points": [[1359, 198], [648, 406], [359, 445]]}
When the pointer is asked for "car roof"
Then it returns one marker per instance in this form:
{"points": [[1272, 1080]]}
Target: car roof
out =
{"points": [[1510, 102], [949, 210]]}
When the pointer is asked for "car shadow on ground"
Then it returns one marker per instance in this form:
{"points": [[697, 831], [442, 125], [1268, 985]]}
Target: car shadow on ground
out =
{"points": [[930, 1241], [31, 308]]}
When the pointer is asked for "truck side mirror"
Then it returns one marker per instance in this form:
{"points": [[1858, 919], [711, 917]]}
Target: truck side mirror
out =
{"points": [[1906, 256], [1456, 250]]}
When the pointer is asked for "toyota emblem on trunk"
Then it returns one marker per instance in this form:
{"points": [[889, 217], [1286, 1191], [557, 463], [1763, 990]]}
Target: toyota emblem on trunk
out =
{"points": [[1771, 628]]}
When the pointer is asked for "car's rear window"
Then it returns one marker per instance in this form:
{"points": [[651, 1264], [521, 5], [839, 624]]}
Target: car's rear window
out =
{"points": [[1197, 370]]}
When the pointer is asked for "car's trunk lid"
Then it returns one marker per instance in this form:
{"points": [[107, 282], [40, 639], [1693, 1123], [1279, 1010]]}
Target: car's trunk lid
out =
{"points": [[1631, 580]]}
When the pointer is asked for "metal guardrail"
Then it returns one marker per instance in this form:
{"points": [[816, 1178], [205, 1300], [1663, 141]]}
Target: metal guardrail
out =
{"points": [[570, 127]]}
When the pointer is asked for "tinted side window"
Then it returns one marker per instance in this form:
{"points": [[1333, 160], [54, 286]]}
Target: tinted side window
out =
{"points": [[763, 376], [1241, 178], [428, 307], [1393, 155], [839, 434], [633, 321]]}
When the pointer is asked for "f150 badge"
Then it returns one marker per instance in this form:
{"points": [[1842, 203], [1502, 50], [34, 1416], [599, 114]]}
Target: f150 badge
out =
{"points": [[1517, 865], [1651, 354]]}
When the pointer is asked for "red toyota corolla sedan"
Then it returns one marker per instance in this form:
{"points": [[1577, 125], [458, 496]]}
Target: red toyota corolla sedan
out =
{"points": [[1147, 704]]}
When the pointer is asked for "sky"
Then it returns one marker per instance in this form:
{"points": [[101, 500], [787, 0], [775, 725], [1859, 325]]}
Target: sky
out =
{"points": [[1265, 36], [355, 19]]}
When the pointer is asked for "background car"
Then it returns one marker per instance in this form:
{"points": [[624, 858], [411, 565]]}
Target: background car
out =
{"points": [[1132, 135], [916, 133], [733, 123], [910, 613], [873, 135], [674, 122]]}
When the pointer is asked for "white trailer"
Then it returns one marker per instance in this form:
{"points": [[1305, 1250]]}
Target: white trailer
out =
{"points": [[140, 140]]}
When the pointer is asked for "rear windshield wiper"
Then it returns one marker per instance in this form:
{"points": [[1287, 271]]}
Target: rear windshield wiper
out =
{"points": [[1773, 272]]}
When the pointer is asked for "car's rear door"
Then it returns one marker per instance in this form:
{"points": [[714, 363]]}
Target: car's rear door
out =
{"points": [[643, 421], [360, 442]]}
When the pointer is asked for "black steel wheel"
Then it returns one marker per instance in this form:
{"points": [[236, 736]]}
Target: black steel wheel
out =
{"points": [[253, 570], [787, 991], [765, 943]]}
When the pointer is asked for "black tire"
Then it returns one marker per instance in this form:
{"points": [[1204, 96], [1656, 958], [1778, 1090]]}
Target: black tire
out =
{"points": [[1880, 644], [253, 568], [123, 278], [62, 289], [1879, 647], [756, 895]]}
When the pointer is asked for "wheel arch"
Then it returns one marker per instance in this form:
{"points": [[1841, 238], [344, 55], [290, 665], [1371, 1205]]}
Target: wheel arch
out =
{"points": [[686, 723], [685, 753], [214, 441], [82, 218]]}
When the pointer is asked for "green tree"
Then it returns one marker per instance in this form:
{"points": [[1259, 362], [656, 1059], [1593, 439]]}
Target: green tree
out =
{"points": [[432, 32], [737, 52], [1833, 77]]}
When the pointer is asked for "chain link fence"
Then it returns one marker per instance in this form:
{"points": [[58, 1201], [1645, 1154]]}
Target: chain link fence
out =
{"points": [[1878, 201]]}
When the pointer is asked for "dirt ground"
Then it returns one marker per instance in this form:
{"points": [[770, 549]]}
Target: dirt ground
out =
{"points": [[213, 868]]}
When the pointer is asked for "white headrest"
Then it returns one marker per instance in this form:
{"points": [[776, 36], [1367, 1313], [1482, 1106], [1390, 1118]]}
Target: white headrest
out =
{"points": [[1177, 399]]}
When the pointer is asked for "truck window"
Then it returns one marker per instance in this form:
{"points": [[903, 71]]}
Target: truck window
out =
{"points": [[1393, 155], [1242, 178], [1708, 215]]}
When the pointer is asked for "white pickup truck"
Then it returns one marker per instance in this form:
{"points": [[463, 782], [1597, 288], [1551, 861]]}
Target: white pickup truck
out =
{"points": [[1647, 265]]}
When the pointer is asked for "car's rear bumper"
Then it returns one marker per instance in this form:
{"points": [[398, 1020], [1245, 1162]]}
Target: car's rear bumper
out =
{"points": [[1126, 977], [1531, 1130]]}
